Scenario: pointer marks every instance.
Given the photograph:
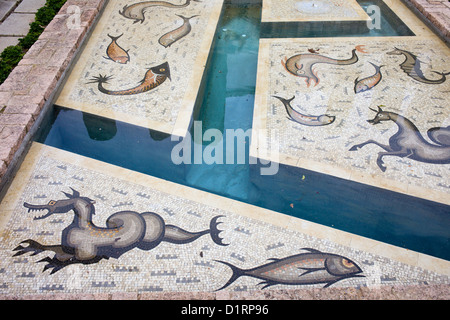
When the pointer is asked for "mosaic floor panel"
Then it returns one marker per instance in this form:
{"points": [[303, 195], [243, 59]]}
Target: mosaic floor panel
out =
{"points": [[367, 109], [309, 10], [71, 224], [144, 63]]}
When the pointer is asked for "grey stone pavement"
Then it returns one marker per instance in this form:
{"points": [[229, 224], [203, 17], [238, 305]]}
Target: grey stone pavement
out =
{"points": [[15, 19]]}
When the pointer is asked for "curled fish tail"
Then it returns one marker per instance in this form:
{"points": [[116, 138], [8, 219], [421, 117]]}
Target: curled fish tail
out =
{"points": [[442, 73], [284, 100], [114, 38], [237, 272], [186, 18]]}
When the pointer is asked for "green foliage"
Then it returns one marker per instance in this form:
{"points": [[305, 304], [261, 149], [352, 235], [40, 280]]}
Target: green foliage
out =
{"points": [[11, 56]]}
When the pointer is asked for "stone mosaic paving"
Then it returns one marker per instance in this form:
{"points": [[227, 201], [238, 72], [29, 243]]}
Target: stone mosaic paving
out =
{"points": [[124, 49], [168, 267], [308, 10], [341, 94]]}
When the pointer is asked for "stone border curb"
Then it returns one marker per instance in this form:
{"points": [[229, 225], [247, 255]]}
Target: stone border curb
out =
{"points": [[425, 292], [437, 12]]}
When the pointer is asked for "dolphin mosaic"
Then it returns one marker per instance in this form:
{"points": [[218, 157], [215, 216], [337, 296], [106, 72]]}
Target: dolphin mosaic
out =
{"points": [[368, 83], [306, 120], [136, 11], [171, 37], [301, 65]]}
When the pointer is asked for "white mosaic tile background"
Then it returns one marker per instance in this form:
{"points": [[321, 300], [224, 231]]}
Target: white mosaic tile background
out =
{"points": [[424, 104], [168, 267]]}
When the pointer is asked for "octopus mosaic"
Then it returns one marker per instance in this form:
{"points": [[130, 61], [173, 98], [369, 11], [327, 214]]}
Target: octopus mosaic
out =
{"points": [[371, 105], [77, 229]]}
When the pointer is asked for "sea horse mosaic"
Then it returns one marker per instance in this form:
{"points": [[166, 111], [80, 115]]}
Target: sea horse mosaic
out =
{"points": [[136, 11], [154, 77], [301, 65], [412, 67], [84, 242]]}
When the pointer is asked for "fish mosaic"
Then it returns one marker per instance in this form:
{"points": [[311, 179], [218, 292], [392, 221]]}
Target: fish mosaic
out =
{"points": [[412, 66], [171, 37], [303, 119], [153, 78], [301, 65], [369, 82], [84, 242], [311, 267], [115, 52], [137, 11]]}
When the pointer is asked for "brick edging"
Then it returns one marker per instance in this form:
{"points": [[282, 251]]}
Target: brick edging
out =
{"points": [[385, 292], [437, 12], [31, 84]]}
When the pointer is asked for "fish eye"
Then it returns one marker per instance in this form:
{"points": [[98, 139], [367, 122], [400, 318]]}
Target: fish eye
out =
{"points": [[52, 203], [347, 263], [300, 71]]}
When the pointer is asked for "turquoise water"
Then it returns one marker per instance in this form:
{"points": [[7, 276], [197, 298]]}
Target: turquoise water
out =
{"points": [[227, 103]]}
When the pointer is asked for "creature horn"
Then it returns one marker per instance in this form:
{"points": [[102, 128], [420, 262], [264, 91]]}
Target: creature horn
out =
{"points": [[75, 194]]}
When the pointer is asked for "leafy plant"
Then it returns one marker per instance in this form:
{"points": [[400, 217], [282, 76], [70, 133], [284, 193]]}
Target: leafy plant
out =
{"points": [[12, 55]]}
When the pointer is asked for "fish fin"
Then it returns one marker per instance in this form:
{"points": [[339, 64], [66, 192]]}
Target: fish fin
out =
{"points": [[309, 270], [114, 38], [237, 272], [267, 283], [274, 259], [311, 250]]}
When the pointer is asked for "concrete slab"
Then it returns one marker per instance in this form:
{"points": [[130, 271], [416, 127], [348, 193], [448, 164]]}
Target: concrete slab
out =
{"points": [[6, 7], [30, 6], [8, 41], [17, 24], [308, 10]]}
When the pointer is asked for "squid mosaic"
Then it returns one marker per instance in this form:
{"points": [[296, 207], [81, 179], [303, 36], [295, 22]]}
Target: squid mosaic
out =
{"points": [[83, 242]]}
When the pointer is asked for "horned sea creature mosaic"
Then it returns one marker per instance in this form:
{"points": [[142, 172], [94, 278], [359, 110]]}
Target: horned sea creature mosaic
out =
{"points": [[402, 89], [104, 234]]}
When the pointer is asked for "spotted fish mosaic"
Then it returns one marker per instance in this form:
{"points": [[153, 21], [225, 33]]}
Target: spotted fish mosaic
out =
{"points": [[79, 226]]}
